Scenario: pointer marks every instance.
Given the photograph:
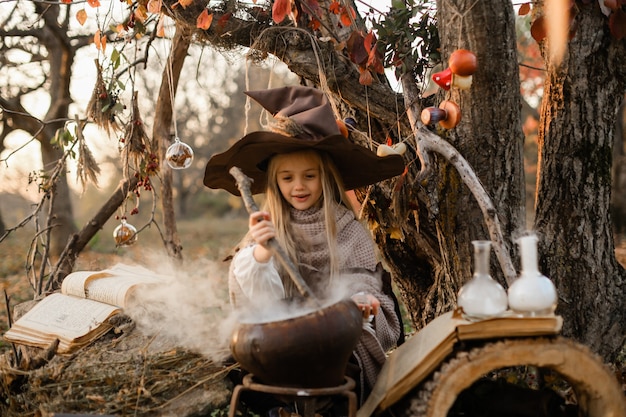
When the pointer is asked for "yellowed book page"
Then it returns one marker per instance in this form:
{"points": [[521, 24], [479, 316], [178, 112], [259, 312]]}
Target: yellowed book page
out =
{"points": [[114, 289], [109, 286], [75, 283], [66, 316], [408, 364], [510, 324]]}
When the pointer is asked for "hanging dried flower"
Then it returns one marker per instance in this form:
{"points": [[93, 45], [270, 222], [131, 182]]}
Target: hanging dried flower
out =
{"points": [[138, 145], [87, 169], [102, 105]]}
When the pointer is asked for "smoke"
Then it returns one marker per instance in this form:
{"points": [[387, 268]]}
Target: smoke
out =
{"points": [[190, 307]]}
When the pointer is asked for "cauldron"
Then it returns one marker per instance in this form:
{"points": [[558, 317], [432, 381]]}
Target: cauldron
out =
{"points": [[308, 351]]}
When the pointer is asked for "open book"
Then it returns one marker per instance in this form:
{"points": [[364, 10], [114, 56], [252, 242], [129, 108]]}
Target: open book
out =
{"points": [[80, 312], [423, 352]]}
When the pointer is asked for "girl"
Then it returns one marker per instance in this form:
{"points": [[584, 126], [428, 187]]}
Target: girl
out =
{"points": [[302, 168]]}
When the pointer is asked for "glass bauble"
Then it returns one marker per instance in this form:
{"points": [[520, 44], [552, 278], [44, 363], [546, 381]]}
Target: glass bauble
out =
{"points": [[482, 296], [125, 234], [532, 293], [179, 155]]}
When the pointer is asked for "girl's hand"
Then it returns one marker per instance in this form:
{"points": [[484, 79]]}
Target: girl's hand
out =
{"points": [[261, 229], [367, 303]]}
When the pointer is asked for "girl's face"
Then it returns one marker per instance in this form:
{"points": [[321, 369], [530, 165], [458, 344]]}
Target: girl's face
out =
{"points": [[299, 179]]}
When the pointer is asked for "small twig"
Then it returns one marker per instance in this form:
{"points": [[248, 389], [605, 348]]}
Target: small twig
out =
{"points": [[243, 183], [10, 323]]}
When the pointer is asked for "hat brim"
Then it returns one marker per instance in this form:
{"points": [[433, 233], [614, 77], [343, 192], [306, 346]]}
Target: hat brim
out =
{"points": [[357, 165]]}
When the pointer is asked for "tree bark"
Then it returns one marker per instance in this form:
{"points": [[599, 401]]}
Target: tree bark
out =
{"points": [[578, 116], [434, 257]]}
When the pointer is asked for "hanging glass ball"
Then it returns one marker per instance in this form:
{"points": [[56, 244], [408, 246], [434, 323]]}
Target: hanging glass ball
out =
{"points": [[179, 155], [125, 234]]}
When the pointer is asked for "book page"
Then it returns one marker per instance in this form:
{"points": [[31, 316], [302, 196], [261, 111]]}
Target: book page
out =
{"points": [[109, 286], [65, 316], [74, 283]]}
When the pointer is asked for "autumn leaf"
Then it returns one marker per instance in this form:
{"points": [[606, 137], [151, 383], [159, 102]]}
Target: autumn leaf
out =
{"points": [[204, 20], [538, 29], [183, 3], [280, 10], [161, 27], [524, 9], [96, 39], [366, 77], [154, 6], [81, 16], [335, 7], [347, 16], [315, 24], [356, 48], [141, 14], [93, 3], [66, 1]]}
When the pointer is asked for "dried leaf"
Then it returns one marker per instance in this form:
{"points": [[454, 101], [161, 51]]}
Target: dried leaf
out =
{"points": [[280, 10], [356, 48], [366, 77], [93, 3], [81, 16], [161, 27], [524, 9], [87, 169], [538, 29], [66, 1], [154, 6], [347, 16], [204, 20], [96, 40], [335, 7], [141, 13]]}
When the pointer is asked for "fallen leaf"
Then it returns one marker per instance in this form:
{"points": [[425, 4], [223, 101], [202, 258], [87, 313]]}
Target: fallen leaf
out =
{"points": [[280, 10]]}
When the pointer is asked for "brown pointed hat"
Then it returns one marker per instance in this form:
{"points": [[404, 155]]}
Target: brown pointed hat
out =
{"points": [[304, 120]]}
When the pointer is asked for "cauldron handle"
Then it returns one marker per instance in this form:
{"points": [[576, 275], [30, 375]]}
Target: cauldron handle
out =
{"points": [[243, 184]]}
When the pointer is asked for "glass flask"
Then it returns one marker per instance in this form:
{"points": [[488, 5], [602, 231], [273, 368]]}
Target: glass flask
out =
{"points": [[179, 155], [532, 293], [125, 234], [482, 296]]}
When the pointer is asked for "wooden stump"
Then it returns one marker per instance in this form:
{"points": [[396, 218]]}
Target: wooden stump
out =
{"points": [[596, 388]]}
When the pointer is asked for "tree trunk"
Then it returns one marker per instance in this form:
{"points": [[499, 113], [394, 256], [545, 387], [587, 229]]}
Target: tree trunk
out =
{"points": [[434, 257], [578, 116], [162, 137], [61, 57], [618, 196]]}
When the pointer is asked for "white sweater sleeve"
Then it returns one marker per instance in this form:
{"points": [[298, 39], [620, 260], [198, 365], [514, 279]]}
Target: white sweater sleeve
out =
{"points": [[257, 280]]}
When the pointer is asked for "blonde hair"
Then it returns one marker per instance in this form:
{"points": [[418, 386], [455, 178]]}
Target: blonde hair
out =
{"points": [[333, 193]]}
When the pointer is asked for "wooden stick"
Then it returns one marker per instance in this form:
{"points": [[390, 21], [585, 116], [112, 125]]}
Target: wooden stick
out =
{"points": [[243, 184]]}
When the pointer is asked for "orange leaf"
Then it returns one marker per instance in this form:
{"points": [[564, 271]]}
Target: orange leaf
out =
{"points": [[184, 3], [66, 1], [524, 9], [154, 6], [96, 40], [374, 62], [103, 42], [81, 16], [161, 27], [335, 7], [347, 16], [141, 13], [280, 10], [366, 78], [315, 24], [93, 3], [204, 20]]}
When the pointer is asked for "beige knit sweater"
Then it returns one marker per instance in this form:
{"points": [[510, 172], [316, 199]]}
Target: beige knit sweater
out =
{"points": [[358, 274]]}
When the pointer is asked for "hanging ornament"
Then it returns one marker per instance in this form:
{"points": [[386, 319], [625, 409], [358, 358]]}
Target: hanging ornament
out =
{"points": [[448, 114], [179, 155], [461, 65], [125, 234], [482, 296], [532, 293]]}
